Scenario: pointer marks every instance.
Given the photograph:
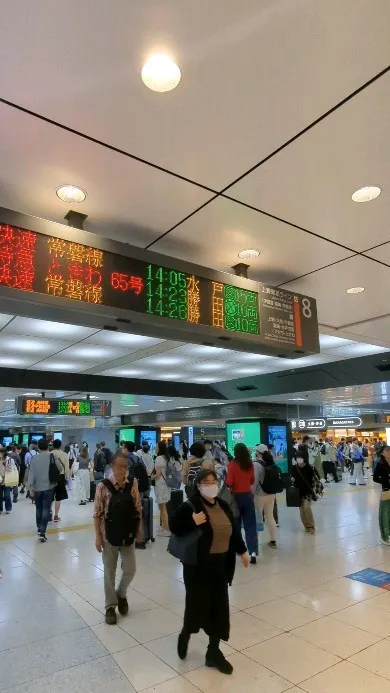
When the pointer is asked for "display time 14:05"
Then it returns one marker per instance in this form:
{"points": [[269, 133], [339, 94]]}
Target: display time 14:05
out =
{"points": [[166, 292]]}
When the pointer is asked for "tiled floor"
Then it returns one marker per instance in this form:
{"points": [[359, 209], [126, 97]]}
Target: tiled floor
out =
{"points": [[297, 623]]}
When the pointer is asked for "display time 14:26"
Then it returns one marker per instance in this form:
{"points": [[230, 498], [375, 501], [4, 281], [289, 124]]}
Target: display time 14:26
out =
{"points": [[166, 292]]}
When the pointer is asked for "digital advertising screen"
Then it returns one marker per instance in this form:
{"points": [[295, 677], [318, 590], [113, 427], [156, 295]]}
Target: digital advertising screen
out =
{"points": [[277, 436], [247, 432], [35, 437], [7, 440], [25, 437], [15, 438], [150, 437], [57, 435], [127, 434]]}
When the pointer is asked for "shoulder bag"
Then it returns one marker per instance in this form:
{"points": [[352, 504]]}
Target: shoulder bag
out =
{"points": [[227, 495], [185, 548]]}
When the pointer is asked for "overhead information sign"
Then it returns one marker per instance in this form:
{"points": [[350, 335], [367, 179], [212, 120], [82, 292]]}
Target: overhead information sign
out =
{"points": [[51, 266], [344, 422], [307, 424], [64, 407]]}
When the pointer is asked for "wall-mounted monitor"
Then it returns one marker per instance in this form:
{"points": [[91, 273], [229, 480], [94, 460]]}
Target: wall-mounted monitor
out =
{"points": [[127, 434], [247, 432], [25, 438], [277, 436], [57, 435], [7, 440], [36, 436], [150, 437]]}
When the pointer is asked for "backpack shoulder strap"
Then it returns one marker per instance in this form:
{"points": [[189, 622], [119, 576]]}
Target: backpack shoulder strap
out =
{"points": [[109, 485], [129, 484]]}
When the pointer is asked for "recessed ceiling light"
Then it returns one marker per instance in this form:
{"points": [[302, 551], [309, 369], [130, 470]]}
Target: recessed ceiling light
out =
{"points": [[355, 290], [71, 193], [296, 399], [165, 400], [366, 194], [160, 73], [131, 405], [9, 400], [249, 254]]}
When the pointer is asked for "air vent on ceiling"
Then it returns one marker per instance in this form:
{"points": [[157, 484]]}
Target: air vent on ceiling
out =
{"points": [[110, 327], [207, 344], [245, 388], [124, 320], [225, 339], [383, 368]]}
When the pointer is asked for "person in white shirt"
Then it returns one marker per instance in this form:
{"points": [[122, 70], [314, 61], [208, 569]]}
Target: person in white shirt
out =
{"points": [[146, 457]]}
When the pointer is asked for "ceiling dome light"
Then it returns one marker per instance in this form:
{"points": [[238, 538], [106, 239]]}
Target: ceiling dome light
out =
{"points": [[71, 193], [249, 254], [355, 290], [366, 194], [160, 73]]}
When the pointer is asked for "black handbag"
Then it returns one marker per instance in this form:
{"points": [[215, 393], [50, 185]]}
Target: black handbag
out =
{"points": [[185, 548], [293, 497]]}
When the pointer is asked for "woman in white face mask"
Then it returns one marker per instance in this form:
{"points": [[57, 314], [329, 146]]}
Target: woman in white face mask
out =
{"points": [[206, 582]]}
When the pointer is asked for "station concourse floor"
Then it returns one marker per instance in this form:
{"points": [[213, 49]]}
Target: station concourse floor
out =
{"points": [[297, 624]]}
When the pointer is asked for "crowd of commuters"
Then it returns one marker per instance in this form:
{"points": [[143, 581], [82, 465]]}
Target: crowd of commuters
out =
{"points": [[225, 498]]}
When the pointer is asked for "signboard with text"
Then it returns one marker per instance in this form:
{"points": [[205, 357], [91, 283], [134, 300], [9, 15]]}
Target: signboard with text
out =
{"points": [[63, 268], [64, 407]]}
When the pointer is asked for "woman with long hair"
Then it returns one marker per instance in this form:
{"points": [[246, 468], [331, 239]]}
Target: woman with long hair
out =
{"points": [[240, 479], [382, 476], [161, 488], [83, 464]]}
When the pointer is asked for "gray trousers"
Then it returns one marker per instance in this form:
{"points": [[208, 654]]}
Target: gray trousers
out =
{"points": [[110, 561]]}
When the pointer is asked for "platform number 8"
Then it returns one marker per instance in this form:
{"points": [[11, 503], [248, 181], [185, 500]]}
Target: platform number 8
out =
{"points": [[306, 308]]}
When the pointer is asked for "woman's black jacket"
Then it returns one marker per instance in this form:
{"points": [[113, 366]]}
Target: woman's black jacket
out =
{"points": [[182, 523]]}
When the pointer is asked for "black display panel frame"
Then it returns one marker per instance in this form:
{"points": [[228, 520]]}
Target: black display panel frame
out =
{"points": [[280, 311]]}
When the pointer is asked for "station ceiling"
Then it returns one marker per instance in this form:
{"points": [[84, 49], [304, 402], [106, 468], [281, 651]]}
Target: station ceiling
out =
{"points": [[281, 114]]}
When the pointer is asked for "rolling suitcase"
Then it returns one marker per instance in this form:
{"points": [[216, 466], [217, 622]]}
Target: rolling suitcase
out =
{"points": [[147, 519], [177, 498]]}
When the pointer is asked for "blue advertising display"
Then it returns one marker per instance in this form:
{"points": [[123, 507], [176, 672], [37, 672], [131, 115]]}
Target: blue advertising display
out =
{"points": [[150, 437], [371, 576], [277, 436]]}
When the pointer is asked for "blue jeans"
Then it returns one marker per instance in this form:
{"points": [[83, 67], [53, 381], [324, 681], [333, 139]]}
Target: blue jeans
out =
{"points": [[15, 493], [5, 494], [246, 506], [43, 501]]}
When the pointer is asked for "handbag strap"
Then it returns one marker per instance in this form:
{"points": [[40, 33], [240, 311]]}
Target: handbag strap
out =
{"points": [[305, 480]]}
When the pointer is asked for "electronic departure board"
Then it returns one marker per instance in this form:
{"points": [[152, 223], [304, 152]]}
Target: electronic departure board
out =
{"points": [[64, 407], [53, 266]]}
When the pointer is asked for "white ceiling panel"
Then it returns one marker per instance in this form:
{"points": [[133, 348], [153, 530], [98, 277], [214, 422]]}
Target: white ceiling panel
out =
{"points": [[253, 73], [382, 253], [16, 361], [328, 341], [375, 329], [91, 352], [32, 327], [62, 365], [217, 233], [132, 342], [310, 183], [38, 158], [4, 319], [355, 349], [335, 307], [17, 344]]}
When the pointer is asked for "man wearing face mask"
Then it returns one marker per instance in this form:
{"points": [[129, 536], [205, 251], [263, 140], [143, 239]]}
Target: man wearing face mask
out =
{"points": [[206, 582]]}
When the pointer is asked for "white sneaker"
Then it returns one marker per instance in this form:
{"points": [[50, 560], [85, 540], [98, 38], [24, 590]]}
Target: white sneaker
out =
{"points": [[163, 533]]}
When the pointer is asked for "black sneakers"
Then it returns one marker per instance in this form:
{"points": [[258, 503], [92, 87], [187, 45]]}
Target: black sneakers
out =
{"points": [[215, 658], [123, 606], [43, 538], [253, 559], [111, 616]]}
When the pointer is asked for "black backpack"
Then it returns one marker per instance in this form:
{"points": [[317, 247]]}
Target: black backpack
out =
{"points": [[54, 472], [323, 449], [122, 519], [99, 461], [273, 481], [138, 470]]}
